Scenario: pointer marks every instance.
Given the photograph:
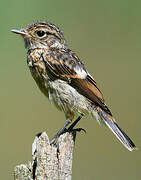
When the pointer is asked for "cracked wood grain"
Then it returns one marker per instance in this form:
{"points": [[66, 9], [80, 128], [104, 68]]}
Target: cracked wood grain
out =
{"points": [[50, 162]]}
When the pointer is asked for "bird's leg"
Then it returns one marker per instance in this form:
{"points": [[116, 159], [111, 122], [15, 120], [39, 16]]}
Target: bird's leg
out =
{"points": [[70, 128], [74, 123], [62, 130]]}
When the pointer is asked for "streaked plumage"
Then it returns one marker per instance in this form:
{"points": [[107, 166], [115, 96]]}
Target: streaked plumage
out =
{"points": [[63, 78]]}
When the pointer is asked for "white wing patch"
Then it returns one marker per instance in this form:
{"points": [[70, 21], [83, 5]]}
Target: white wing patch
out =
{"points": [[81, 72]]}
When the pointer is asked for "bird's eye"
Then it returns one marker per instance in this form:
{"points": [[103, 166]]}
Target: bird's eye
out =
{"points": [[40, 33]]}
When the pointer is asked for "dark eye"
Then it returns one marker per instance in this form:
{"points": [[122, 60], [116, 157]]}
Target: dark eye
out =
{"points": [[40, 33]]}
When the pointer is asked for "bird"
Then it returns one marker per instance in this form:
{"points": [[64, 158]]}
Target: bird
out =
{"points": [[64, 80]]}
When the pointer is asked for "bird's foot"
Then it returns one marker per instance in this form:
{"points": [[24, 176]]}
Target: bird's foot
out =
{"points": [[76, 130]]}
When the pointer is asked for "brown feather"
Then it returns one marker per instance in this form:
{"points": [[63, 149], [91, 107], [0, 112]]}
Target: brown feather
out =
{"points": [[86, 88], [64, 65]]}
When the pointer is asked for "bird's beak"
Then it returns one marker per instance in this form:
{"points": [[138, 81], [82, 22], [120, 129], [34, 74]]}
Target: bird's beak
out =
{"points": [[19, 31]]}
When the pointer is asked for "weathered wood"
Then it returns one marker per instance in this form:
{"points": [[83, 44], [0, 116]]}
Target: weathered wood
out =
{"points": [[50, 162]]}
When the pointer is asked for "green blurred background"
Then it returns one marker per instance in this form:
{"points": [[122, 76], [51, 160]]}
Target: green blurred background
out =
{"points": [[106, 35]]}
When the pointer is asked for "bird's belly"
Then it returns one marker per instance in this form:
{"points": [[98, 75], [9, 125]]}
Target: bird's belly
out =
{"points": [[62, 94]]}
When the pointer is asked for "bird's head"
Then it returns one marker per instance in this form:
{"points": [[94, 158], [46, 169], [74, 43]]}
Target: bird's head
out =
{"points": [[41, 35]]}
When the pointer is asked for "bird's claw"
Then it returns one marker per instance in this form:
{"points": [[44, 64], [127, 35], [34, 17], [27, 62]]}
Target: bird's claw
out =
{"points": [[77, 130]]}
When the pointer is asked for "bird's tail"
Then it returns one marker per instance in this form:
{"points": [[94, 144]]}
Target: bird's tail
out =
{"points": [[118, 132]]}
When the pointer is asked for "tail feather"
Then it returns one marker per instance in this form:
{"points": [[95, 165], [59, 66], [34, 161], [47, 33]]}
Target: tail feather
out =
{"points": [[118, 132]]}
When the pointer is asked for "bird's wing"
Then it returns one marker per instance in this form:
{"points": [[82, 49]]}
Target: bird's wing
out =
{"points": [[64, 64]]}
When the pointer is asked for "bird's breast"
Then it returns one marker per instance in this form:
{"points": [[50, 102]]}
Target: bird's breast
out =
{"points": [[38, 70], [59, 91]]}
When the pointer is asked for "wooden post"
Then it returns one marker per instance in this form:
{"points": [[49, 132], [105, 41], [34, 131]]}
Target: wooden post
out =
{"points": [[50, 162]]}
